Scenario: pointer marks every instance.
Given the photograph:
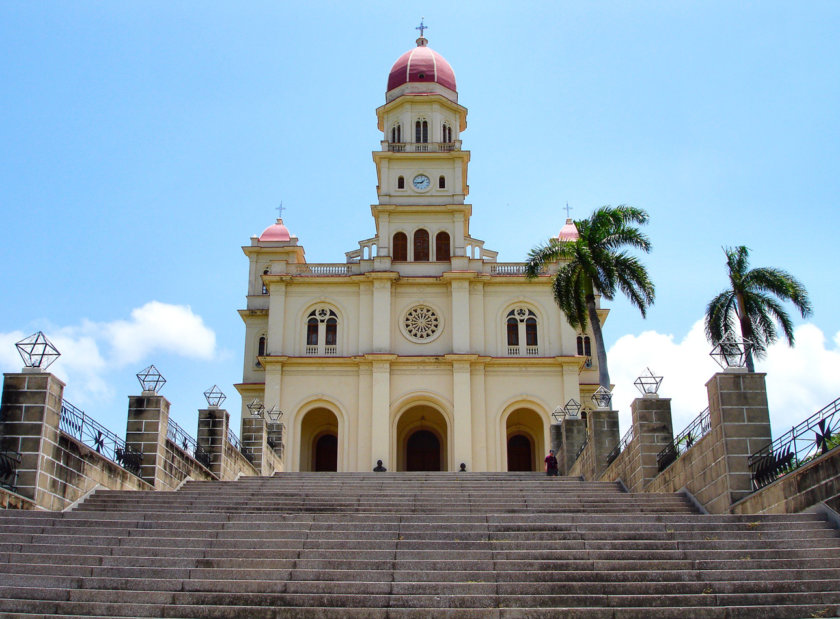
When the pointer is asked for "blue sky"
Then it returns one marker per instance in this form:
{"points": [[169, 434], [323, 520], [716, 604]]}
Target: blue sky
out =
{"points": [[145, 142]]}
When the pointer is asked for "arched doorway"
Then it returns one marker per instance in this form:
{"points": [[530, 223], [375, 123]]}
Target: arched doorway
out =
{"points": [[520, 453], [326, 453], [319, 440], [422, 452], [525, 434], [422, 439]]}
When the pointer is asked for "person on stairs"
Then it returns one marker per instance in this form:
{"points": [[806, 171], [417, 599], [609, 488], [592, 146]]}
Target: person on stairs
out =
{"points": [[551, 464]]}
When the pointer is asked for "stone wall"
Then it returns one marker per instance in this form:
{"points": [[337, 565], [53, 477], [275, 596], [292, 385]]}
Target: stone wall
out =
{"points": [[813, 483]]}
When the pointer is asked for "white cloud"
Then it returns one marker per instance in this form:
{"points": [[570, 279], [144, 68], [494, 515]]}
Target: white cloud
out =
{"points": [[160, 327], [152, 329], [800, 380]]}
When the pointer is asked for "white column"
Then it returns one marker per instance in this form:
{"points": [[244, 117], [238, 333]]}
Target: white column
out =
{"points": [[381, 316], [364, 446], [460, 316], [462, 400], [480, 420], [380, 414], [276, 317]]}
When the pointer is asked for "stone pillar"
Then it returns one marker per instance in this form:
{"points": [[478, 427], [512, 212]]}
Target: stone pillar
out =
{"points": [[255, 439], [573, 433], [652, 432], [603, 437], [31, 412], [738, 406], [148, 422], [213, 425], [556, 438]]}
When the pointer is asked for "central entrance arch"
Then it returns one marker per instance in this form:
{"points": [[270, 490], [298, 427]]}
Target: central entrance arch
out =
{"points": [[525, 433], [319, 440], [520, 453], [422, 439], [422, 452]]}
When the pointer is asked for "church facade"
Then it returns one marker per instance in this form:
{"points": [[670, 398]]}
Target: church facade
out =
{"points": [[421, 349]]}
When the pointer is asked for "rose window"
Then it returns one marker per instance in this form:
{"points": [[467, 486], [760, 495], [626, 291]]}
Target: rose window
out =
{"points": [[421, 323]]}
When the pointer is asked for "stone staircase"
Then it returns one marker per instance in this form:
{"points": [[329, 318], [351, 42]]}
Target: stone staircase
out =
{"points": [[410, 545]]}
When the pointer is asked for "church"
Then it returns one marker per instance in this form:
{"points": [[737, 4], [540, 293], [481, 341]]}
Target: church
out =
{"points": [[420, 350]]}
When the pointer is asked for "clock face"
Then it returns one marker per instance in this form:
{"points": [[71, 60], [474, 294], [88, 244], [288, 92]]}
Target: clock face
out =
{"points": [[421, 182]]}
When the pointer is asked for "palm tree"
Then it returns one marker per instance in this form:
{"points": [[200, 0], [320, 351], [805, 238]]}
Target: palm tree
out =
{"points": [[749, 301], [595, 263]]}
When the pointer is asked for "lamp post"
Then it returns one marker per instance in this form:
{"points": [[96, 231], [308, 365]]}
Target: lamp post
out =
{"points": [[602, 398], [151, 380], [648, 385], [731, 353], [37, 352]]}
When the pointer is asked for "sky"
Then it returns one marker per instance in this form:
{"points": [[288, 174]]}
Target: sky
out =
{"points": [[145, 142]]}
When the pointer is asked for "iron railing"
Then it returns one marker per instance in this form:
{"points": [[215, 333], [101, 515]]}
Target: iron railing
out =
{"points": [[817, 435], [622, 445], [74, 422], [237, 444], [9, 461], [179, 436], [684, 441], [582, 447], [423, 147]]}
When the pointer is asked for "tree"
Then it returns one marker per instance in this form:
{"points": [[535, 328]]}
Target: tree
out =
{"points": [[595, 263], [750, 302]]}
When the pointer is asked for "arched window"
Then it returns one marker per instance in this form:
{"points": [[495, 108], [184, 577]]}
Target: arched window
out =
{"points": [[442, 182], [513, 332], [260, 349], [421, 132], [401, 182], [421, 246], [312, 332], [264, 287], [584, 349], [396, 134], [400, 247], [447, 133], [442, 246], [521, 324], [322, 332]]}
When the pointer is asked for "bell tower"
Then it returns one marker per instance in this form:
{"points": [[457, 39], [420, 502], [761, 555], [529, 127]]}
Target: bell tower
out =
{"points": [[421, 169]]}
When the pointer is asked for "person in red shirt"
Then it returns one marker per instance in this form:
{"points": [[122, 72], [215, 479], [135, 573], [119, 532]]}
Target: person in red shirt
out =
{"points": [[551, 464]]}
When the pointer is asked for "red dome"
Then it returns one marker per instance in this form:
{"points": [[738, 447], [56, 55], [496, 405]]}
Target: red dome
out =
{"points": [[276, 232], [421, 64]]}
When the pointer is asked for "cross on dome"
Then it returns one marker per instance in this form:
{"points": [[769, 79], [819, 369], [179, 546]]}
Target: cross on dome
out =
{"points": [[280, 210], [422, 41]]}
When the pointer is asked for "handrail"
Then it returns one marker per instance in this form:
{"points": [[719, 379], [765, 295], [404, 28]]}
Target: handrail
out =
{"points": [[621, 446], [797, 446], [697, 429], [237, 444], [75, 423], [187, 443], [9, 462]]}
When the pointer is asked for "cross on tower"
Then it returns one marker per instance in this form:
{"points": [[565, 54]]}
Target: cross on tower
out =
{"points": [[421, 27], [280, 210], [568, 208]]}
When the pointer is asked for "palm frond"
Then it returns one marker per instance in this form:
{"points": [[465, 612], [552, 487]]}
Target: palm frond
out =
{"points": [[721, 317]]}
